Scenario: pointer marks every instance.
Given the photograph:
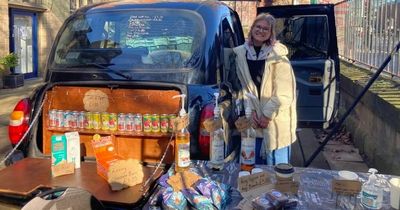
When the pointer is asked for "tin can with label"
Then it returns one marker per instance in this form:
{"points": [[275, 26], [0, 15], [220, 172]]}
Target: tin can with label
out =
{"points": [[129, 122], [59, 118], [147, 123], [81, 119], [121, 122], [164, 121], [73, 120], [138, 123], [66, 118], [171, 125], [88, 120], [96, 120], [105, 121], [155, 123], [113, 122], [52, 118]]}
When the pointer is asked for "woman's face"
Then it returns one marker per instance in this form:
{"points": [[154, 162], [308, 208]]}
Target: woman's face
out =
{"points": [[261, 32]]}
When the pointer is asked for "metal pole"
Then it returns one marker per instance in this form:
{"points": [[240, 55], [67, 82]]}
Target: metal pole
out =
{"points": [[339, 124]]}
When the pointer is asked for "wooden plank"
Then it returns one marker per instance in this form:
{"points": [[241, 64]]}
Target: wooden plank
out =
{"points": [[30, 173]]}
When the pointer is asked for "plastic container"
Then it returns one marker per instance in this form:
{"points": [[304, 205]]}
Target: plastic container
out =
{"points": [[243, 173], [348, 175], [256, 170], [284, 170]]}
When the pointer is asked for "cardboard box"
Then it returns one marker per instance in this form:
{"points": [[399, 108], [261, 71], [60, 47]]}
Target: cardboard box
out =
{"points": [[118, 172]]}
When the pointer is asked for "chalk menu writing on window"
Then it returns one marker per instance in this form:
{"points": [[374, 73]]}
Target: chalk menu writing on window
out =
{"points": [[139, 25]]}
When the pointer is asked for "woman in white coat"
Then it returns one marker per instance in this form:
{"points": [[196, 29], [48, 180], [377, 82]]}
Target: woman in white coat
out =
{"points": [[265, 72]]}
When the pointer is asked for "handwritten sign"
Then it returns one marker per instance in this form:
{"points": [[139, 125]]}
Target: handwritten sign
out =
{"points": [[63, 168], [96, 101], [180, 122], [346, 187], [183, 180], [247, 183], [124, 173], [287, 186], [242, 124], [211, 125]]}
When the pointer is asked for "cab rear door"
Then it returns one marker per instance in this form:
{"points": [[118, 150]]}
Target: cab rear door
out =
{"points": [[309, 32]]}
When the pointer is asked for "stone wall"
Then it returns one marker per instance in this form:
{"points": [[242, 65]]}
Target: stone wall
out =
{"points": [[374, 123]]}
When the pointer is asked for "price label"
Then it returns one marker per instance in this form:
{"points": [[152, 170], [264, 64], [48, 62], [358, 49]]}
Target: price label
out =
{"points": [[346, 187], [247, 183]]}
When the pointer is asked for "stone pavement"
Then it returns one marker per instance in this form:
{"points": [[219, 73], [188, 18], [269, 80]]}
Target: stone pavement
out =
{"points": [[329, 159]]}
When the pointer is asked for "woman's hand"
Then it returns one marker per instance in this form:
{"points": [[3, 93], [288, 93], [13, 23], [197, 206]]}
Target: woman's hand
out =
{"points": [[262, 121]]}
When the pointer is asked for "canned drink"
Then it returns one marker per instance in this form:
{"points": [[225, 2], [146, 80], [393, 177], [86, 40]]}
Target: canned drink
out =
{"points": [[59, 119], [73, 119], [129, 122], [113, 121], [88, 120], [121, 122], [164, 121], [52, 118], [81, 119], [105, 121], [66, 118], [96, 120], [138, 123], [147, 123], [155, 123], [171, 125]]}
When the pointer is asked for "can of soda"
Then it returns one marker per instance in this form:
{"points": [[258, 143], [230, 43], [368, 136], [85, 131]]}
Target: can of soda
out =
{"points": [[96, 120], [171, 125], [88, 120], [66, 118], [52, 118], [121, 122], [113, 121], [73, 120], [164, 121], [59, 119], [147, 123], [81, 119], [129, 122], [105, 121], [155, 123], [138, 123]]}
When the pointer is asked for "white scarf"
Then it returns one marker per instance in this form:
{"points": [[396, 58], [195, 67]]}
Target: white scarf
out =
{"points": [[252, 55]]}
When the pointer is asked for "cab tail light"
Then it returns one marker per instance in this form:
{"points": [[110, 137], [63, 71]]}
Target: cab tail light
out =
{"points": [[204, 136], [19, 121]]}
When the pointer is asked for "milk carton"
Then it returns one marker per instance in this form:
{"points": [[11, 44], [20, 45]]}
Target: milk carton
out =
{"points": [[73, 148], [59, 164]]}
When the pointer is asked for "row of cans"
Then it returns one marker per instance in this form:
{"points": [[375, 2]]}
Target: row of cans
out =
{"points": [[111, 121]]}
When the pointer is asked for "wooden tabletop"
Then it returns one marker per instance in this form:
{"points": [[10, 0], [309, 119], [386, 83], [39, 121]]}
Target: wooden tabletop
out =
{"points": [[30, 173]]}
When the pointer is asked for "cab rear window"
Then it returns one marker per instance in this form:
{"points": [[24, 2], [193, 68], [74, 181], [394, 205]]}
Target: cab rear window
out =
{"points": [[132, 40]]}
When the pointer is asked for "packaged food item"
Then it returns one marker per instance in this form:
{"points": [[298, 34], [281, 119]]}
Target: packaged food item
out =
{"points": [[119, 173], [73, 148], [81, 120], [198, 201], [121, 122], [276, 198], [105, 121], [138, 122], [155, 123], [284, 170], [53, 118], [129, 121], [96, 120], [146, 123], [113, 122], [248, 144], [59, 163], [262, 203], [171, 125], [173, 200], [88, 120], [212, 190]]}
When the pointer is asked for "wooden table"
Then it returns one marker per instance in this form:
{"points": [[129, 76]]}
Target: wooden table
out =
{"points": [[31, 173]]}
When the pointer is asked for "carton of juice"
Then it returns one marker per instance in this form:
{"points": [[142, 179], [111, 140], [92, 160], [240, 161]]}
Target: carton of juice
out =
{"points": [[59, 164], [73, 148]]}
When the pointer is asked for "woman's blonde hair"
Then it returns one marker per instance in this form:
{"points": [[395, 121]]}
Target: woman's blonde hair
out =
{"points": [[270, 20]]}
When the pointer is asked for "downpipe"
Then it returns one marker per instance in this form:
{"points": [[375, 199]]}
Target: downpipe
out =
{"points": [[356, 101]]}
